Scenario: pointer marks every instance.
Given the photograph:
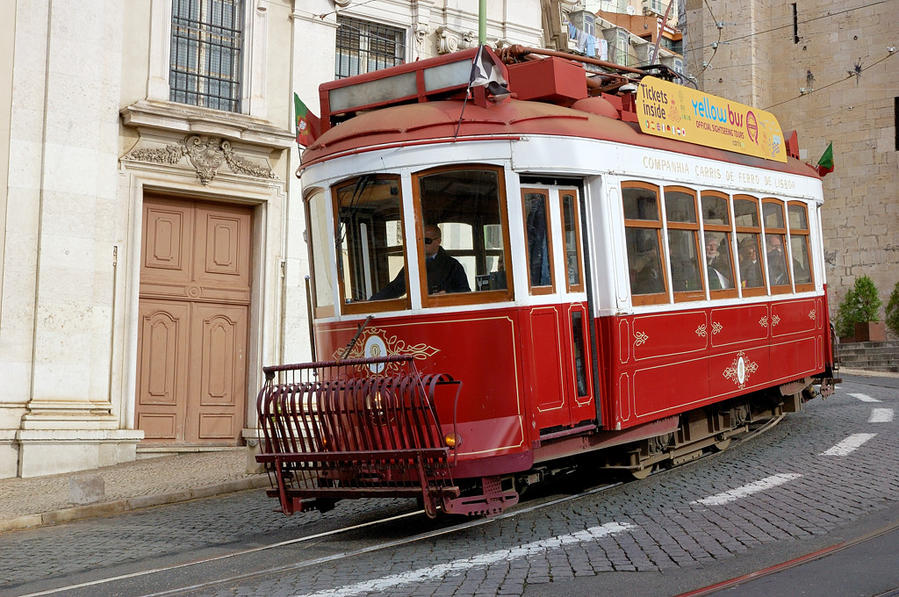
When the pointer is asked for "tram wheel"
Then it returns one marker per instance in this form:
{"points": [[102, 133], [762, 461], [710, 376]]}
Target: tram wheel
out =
{"points": [[642, 473], [722, 445]]}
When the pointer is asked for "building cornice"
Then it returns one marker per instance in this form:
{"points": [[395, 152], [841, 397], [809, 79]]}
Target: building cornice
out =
{"points": [[170, 117]]}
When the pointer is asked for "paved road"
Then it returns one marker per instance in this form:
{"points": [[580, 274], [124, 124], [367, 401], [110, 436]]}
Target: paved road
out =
{"points": [[825, 475]]}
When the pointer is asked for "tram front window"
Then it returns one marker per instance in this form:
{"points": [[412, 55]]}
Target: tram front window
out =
{"points": [[463, 234], [370, 242]]}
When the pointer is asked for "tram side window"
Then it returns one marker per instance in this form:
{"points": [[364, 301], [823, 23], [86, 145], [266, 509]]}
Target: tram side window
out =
{"points": [[370, 244], [538, 239], [320, 258], [799, 245], [464, 235], [718, 248], [749, 230], [643, 235], [775, 249], [571, 229], [683, 243]]}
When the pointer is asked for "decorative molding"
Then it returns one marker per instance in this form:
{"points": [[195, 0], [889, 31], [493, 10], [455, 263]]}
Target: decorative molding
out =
{"points": [[716, 327], [170, 154], [205, 154], [640, 338], [812, 314], [764, 321], [740, 370], [374, 343], [775, 320], [172, 118], [241, 165], [701, 331]]}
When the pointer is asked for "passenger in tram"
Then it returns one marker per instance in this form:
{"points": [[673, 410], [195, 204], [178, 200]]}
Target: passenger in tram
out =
{"points": [[777, 261], [750, 267], [646, 277], [718, 265], [445, 273]]}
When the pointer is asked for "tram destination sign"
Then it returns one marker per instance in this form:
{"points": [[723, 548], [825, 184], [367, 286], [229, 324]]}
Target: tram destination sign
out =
{"points": [[678, 112]]}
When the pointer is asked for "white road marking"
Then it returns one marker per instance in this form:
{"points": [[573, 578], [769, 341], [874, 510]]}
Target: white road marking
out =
{"points": [[387, 583], [881, 415], [849, 445], [741, 492], [864, 397]]}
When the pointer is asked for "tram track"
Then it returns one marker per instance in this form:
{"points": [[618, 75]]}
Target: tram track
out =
{"points": [[536, 503], [467, 524]]}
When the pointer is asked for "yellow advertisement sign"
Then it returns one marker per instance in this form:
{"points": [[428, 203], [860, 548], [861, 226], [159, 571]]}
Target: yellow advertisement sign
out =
{"points": [[677, 112]]}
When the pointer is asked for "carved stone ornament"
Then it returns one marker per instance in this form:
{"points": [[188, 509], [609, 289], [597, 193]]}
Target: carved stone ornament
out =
{"points": [[449, 40], [206, 155], [421, 32]]}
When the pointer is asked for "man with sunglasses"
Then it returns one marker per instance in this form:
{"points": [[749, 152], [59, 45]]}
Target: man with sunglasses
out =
{"points": [[445, 273]]}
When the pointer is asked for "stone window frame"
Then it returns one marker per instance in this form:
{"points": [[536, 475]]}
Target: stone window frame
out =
{"points": [[253, 67]]}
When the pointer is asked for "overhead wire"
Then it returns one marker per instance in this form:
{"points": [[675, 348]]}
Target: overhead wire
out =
{"points": [[850, 75], [810, 20], [329, 13], [720, 26], [348, 26]]}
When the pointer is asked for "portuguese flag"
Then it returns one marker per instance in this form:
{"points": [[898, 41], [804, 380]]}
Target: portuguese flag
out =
{"points": [[307, 123], [825, 164]]}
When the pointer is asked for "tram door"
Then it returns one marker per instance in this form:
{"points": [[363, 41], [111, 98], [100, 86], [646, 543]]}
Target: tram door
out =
{"points": [[557, 319]]}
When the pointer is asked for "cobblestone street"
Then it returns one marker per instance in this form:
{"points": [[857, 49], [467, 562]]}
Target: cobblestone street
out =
{"points": [[784, 489]]}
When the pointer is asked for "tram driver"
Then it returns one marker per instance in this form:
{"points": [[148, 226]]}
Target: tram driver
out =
{"points": [[445, 273]]}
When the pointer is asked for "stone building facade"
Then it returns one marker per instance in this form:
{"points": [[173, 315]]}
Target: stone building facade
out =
{"points": [[151, 224], [827, 70]]}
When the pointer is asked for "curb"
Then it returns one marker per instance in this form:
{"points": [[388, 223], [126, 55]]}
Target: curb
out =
{"points": [[120, 506], [867, 372]]}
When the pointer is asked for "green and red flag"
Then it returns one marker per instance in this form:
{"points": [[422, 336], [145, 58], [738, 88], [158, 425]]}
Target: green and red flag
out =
{"points": [[825, 164], [307, 123]]}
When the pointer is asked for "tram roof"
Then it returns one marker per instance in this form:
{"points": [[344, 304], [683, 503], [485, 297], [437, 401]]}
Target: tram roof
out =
{"points": [[606, 117]]}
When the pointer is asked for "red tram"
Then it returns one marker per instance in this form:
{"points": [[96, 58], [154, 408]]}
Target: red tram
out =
{"points": [[506, 277]]}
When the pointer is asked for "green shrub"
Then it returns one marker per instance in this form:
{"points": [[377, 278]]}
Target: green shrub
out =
{"points": [[860, 304], [892, 318]]}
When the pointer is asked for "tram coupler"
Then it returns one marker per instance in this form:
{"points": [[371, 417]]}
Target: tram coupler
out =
{"points": [[492, 501]]}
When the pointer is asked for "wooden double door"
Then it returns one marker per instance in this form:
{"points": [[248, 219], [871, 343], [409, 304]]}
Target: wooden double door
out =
{"points": [[194, 303]]}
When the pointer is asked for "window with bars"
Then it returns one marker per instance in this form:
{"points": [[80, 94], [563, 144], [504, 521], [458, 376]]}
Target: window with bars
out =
{"points": [[364, 47], [207, 39]]}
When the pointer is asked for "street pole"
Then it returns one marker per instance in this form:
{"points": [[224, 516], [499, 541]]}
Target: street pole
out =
{"points": [[482, 22], [655, 50]]}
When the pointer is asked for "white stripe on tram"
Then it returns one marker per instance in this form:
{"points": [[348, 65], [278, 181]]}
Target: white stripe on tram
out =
{"points": [[741, 492], [881, 415], [849, 445], [864, 397], [439, 571]]}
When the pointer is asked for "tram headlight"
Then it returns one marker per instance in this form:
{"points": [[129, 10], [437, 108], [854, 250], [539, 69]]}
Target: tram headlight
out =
{"points": [[452, 440]]}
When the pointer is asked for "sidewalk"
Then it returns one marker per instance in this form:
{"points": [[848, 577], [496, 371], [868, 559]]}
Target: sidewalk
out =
{"points": [[143, 483], [866, 373]]}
